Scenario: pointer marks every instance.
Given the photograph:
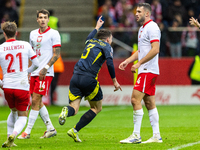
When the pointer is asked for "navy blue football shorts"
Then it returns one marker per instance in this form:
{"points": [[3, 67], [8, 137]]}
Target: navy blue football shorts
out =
{"points": [[84, 86]]}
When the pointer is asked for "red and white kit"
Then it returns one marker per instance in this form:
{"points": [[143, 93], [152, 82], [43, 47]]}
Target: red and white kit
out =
{"points": [[14, 59], [147, 72], [147, 34], [43, 44]]}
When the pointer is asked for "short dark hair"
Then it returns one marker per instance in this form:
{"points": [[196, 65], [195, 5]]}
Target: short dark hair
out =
{"points": [[103, 34], [9, 28], [43, 11], [146, 6]]}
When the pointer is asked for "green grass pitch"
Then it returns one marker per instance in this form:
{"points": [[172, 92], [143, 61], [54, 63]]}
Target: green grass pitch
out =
{"points": [[179, 125]]}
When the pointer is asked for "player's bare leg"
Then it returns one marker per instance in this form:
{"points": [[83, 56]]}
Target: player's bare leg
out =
{"points": [[96, 107], [70, 110]]}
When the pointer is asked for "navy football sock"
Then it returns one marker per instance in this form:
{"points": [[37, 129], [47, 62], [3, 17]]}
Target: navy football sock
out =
{"points": [[85, 119], [71, 111]]}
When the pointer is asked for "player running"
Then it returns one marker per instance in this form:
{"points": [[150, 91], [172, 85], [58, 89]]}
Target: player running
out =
{"points": [[14, 56], [84, 80]]}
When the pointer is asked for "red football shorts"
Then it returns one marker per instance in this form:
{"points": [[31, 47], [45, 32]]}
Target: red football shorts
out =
{"points": [[19, 99], [40, 87], [146, 83]]}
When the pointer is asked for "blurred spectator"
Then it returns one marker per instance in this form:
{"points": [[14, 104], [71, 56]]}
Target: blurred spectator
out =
{"points": [[156, 14], [167, 13], [194, 71], [108, 13], [163, 39], [190, 13], [174, 38], [15, 4], [189, 41], [8, 13], [194, 4], [58, 65], [121, 7], [135, 2], [128, 18], [165, 4], [177, 9]]}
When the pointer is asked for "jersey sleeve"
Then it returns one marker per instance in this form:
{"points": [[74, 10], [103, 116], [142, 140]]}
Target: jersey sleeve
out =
{"points": [[111, 68], [108, 51], [30, 40], [31, 54], [91, 35], [56, 39], [154, 33]]}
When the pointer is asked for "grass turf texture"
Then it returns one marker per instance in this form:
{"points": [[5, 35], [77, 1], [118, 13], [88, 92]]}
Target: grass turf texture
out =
{"points": [[179, 125]]}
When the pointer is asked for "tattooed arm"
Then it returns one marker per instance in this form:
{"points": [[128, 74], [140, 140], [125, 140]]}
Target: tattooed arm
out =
{"points": [[56, 55]]}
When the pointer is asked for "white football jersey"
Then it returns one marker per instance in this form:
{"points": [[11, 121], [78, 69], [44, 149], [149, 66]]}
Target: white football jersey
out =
{"points": [[147, 34], [43, 44], [14, 59]]}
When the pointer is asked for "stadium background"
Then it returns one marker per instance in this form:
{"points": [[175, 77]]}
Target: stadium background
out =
{"points": [[77, 19]]}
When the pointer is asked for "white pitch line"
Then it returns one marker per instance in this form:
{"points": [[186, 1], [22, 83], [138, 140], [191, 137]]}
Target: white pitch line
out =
{"points": [[3, 121], [184, 146]]}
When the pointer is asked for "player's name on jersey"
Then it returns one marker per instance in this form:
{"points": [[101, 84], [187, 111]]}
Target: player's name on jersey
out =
{"points": [[14, 47], [101, 43]]}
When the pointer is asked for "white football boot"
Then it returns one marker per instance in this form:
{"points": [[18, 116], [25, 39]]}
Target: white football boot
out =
{"points": [[154, 139], [132, 139], [48, 134]]}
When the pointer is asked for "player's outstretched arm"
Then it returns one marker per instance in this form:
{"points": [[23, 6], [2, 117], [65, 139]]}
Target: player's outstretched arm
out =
{"points": [[98, 25], [56, 55], [194, 22], [116, 85], [100, 22]]}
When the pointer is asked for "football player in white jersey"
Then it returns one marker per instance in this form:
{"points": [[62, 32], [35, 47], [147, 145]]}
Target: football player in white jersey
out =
{"points": [[46, 43], [14, 60], [148, 70]]}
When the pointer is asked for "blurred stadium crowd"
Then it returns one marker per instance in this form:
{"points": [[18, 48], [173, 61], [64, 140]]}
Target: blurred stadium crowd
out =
{"points": [[170, 16], [178, 37], [9, 10]]}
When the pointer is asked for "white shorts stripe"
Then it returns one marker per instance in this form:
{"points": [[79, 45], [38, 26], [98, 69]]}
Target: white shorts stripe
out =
{"points": [[144, 84]]}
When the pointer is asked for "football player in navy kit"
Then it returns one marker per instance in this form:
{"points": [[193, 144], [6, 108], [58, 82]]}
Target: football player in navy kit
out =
{"points": [[84, 80]]}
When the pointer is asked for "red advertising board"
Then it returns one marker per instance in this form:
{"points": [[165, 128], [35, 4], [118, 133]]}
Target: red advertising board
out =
{"points": [[172, 72]]}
